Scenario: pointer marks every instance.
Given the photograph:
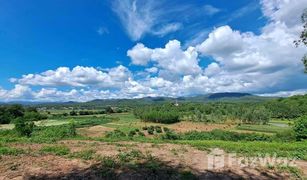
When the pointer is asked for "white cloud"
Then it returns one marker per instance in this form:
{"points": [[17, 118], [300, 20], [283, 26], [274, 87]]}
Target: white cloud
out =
{"points": [[242, 62], [102, 31], [210, 10], [139, 54], [168, 28], [143, 17], [152, 70], [285, 93], [79, 76], [170, 58]]}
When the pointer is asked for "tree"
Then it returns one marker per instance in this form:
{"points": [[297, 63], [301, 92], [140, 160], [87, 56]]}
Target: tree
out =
{"points": [[23, 127], [300, 128], [303, 37]]}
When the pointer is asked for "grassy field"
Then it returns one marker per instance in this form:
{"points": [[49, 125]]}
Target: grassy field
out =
{"points": [[53, 137], [270, 128]]}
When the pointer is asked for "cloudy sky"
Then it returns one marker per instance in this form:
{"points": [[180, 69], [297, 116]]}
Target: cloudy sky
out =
{"points": [[79, 50]]}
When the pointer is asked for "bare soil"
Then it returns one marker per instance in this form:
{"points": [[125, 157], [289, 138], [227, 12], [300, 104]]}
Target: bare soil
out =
{"points": [[94, 131], [185, 126], [175, 157]]}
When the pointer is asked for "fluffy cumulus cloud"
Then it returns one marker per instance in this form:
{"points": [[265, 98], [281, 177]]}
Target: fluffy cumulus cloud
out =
{"points": [[79, 76], [171, 58], [266, 63]]}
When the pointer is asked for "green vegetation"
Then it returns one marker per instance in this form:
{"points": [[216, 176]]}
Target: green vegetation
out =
{"points": [[157, 114], [24, 128], [275, 126], [56, 150], [280, 149], [9, 113], [262, 128], [10, 151], [87, 154], [300, 128]]}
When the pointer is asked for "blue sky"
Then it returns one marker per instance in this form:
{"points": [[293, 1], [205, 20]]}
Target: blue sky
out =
{"points": [[85, 50]]}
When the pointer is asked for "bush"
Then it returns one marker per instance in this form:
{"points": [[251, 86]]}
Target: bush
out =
{"points": [[151, 130], [158, 129], [132, 133], [24, 128], [171, 135], [300, 128]]}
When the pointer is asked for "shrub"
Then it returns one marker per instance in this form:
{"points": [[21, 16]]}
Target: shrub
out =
{"points": [[150, 131], [24, 128], [158, 129], [141, 133], [166, 129], [144, 128], [132, 133], [300, 128], [171, 135]]}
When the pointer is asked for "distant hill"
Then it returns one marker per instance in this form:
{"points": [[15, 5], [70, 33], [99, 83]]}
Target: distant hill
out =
{"points": [[228, 95], [223, 96]]}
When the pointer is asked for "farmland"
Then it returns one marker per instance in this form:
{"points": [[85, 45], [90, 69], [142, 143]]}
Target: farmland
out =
{"points": [[101, 142]]}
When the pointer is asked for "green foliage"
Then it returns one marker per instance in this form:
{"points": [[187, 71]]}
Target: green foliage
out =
{"points": [[55, 150], [151, 130], [53, 133], [10, 151], [254, 148], [9, 113], [157, 114], [71, 129], [158, 129], [132, 133], [170, 135], [300, 128], [285, 136], [23, 127], [224, 135], [115, 134], [262, 128], [87, 154]]}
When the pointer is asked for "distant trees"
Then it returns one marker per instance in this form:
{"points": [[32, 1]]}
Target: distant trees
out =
{"points": [[158, 114], [9, 113]]}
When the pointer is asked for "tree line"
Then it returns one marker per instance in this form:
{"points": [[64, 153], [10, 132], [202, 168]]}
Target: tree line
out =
{"points": [[10, 113]]}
